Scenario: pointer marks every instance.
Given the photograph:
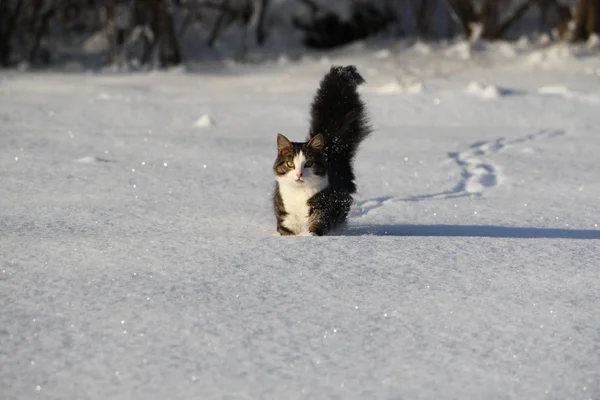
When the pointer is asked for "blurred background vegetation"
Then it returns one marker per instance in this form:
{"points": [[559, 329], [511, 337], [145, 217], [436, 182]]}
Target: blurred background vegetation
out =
{"points": [[164, 33]]}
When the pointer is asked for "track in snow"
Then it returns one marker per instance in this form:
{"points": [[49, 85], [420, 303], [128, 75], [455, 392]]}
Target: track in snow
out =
{"points": [[478, 173]]}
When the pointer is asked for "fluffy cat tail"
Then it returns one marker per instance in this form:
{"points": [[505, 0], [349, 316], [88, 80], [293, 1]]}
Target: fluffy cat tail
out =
{"points": [[338, 113]]}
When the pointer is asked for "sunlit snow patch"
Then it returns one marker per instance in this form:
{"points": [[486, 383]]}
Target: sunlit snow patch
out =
{"points": [[393, 87], [484, 91], [507, 50], [421, 48], [92, 160], [593, 42], [283, 59], [396, 87], [554, 90], [551, 55], [568, 94], [205, 121], [461, 50]]}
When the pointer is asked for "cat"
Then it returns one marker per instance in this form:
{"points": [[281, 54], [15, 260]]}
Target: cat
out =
{"points": [[315, 179]]}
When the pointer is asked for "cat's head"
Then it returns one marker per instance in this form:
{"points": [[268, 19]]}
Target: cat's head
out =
{"points": [[300, 163]]}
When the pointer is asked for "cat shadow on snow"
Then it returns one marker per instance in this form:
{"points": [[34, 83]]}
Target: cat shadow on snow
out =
{"points": [[490, 231]]}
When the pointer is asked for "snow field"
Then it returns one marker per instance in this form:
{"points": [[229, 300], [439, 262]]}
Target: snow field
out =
{"points": [[138, 256]]}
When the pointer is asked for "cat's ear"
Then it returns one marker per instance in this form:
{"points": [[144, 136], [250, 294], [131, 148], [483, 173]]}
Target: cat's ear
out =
{"points": [[317, 142], [283, 144]]}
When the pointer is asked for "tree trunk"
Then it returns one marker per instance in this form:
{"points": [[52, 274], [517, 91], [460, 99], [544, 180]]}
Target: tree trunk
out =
{"points": [[467, 14], [219, 23], [261, 30], [593, 20], [164, 38], [587, 19], [564, 17], [168, 47], [489, 19], [517, 15], [422, 20], [40, 31], [6, 33]]}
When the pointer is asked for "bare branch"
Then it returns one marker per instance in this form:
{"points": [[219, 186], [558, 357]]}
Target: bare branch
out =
{"points": [[517, 15], [422, 24], [459, 19], [218, 24], [261, 33], [40, 31], [6, 36]]}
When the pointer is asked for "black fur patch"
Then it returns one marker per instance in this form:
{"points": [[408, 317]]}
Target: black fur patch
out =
{"points": [[338, 113]]}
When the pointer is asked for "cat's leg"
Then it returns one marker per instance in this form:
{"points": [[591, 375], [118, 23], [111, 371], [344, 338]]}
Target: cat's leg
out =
{"points": [[280, 213], [318, 228], [283, 231], [329, 209]]}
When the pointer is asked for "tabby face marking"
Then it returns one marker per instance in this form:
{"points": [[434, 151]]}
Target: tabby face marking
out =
{"points": [[300, 163]]}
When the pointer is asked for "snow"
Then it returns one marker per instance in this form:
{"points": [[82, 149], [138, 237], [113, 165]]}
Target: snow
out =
{"points": [[139, 258], [393, 87], [482, 90], [396, 87], [204, 121]]}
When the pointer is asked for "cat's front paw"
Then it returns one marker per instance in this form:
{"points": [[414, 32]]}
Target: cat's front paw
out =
{"points": [[307, 234]]}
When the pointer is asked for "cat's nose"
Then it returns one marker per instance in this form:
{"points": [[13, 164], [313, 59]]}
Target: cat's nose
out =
{"points": [[298, 175]]}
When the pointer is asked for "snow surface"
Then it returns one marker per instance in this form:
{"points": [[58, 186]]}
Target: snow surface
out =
{"points": [[138, 256]]}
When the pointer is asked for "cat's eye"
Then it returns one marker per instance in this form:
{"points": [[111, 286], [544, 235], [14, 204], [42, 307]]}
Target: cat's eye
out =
{"points": [[290, 164], [308, 164]]}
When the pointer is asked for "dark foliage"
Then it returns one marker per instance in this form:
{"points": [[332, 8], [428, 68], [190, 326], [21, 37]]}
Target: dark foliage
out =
{"points": [[587, 19], [327, 30], [152, 32]]}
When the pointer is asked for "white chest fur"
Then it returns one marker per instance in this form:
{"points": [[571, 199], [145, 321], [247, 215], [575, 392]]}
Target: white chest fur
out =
{"points": [[295, 194], [295, 200]]}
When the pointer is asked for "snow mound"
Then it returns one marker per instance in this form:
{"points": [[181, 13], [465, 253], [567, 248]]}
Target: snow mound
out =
{"points": [[484, 91], [593, 42], [545, 39], [507, 50], [460, 50], [205, 121], [416, 87], [421, 48], [392, 87], [464, 49], [396, 87], [177, 70], [523, 43], [550, 56], [283, 59]]}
